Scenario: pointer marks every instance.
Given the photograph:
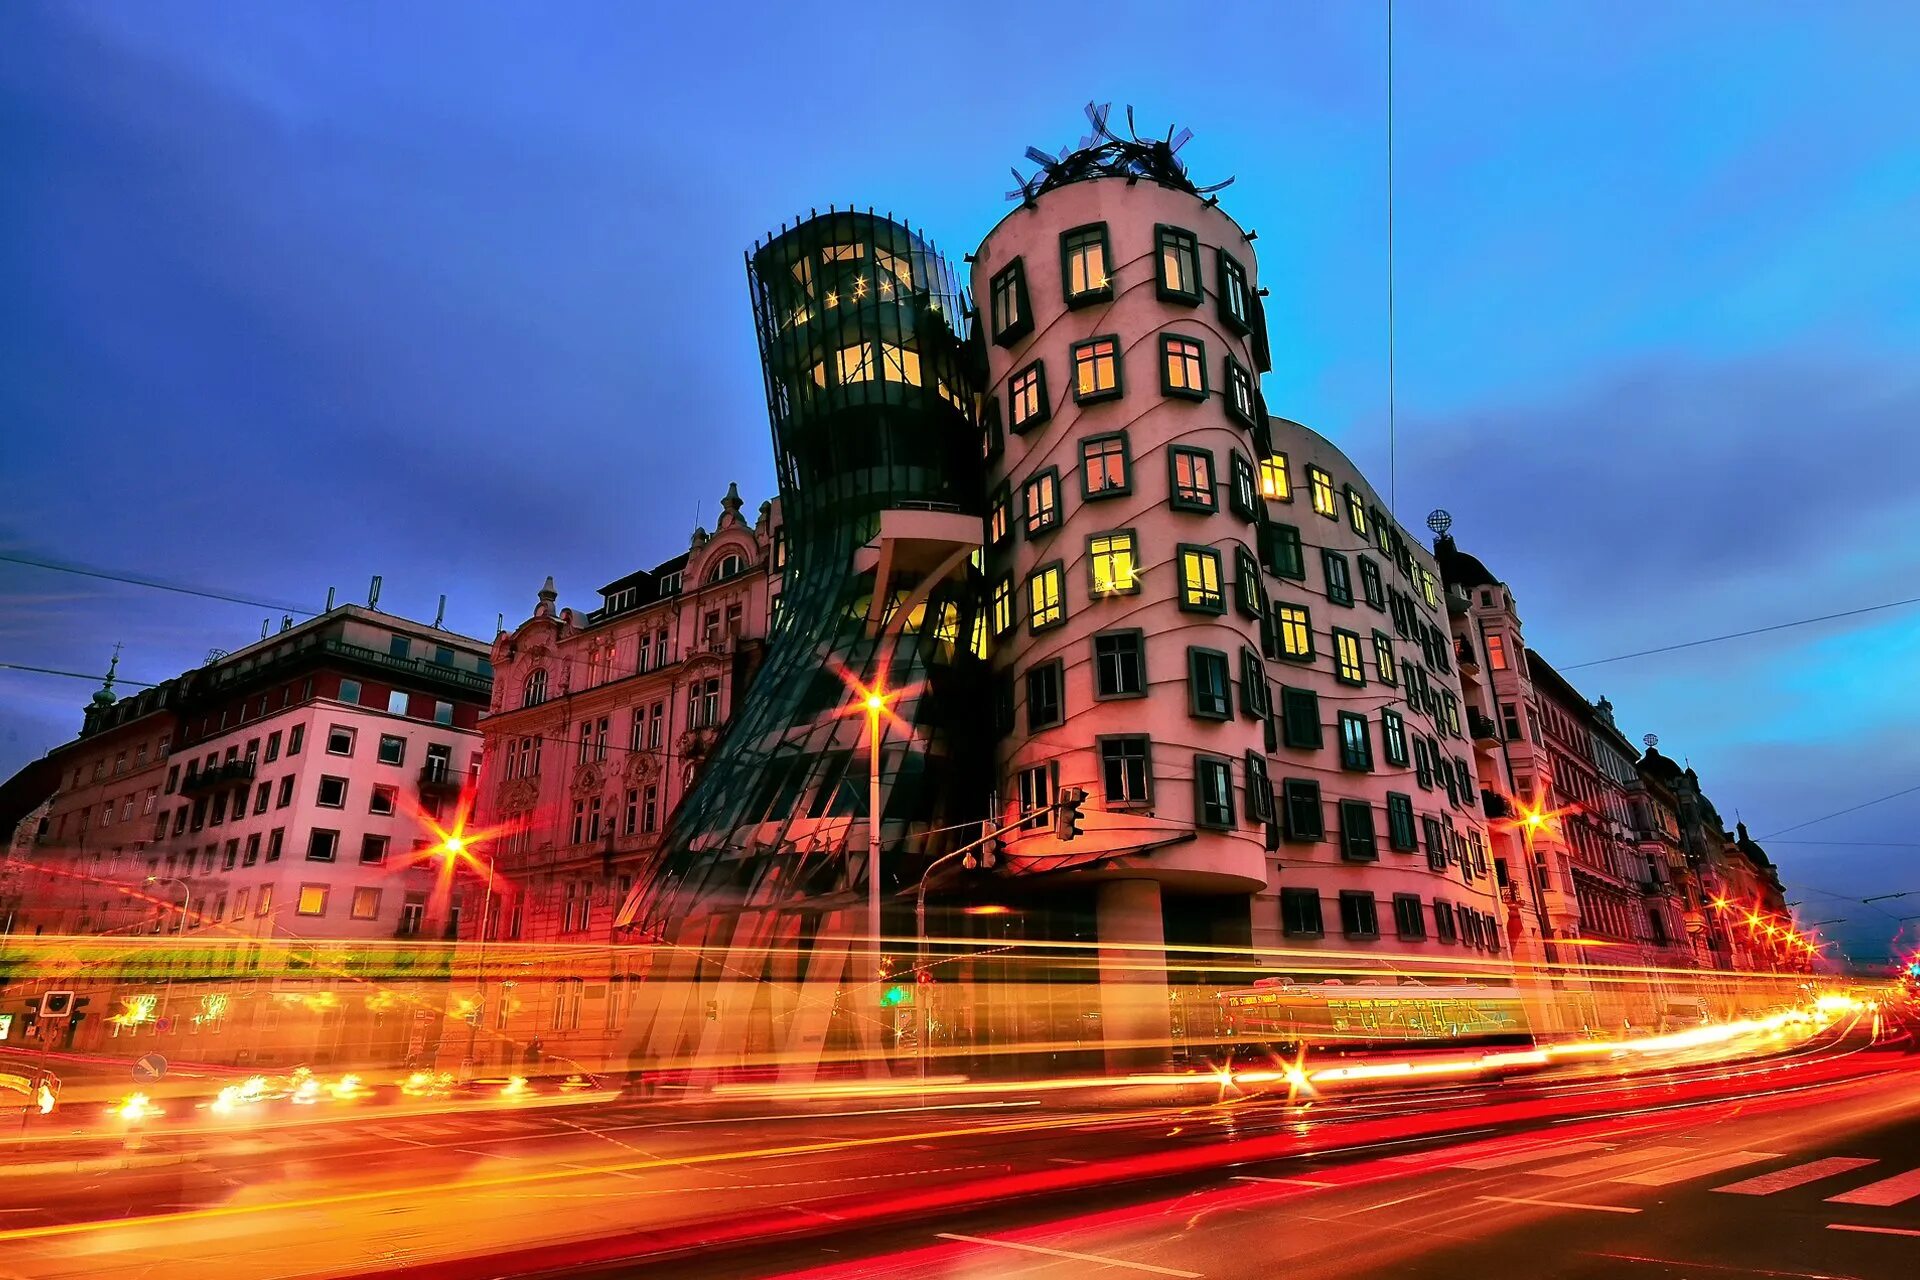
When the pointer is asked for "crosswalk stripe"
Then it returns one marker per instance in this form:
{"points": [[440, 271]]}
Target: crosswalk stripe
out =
{"points": [[1528, 1155], [1888, 1191], [1799, 1175], [1705, 1165], [1603, 1163]]}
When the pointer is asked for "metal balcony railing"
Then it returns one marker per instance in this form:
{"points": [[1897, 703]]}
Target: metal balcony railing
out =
{"points": [[218, 775]]}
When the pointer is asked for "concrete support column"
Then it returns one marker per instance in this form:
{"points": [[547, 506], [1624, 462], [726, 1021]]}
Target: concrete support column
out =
{"points": [[1133, 975]]}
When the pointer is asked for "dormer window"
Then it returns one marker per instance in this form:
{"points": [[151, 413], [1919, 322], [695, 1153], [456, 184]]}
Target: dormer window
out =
{"points": [[731, 565], [670, 584]]}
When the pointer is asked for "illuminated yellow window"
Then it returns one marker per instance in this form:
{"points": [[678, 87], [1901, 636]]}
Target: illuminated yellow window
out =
{"points": [[1083, 256], [366, 904], [946, 627], [1323, 500], [313, 900], [1115, 567], [1096, 368], [1046, 604], [843, 253], [1428, 587], [855, 363], [1346, 655], [1003, 606], [898, 266], [1200, 580], [899, 364], [1357, 511], [819, 372], [980, 635], [1185, 372], [1273, 478], [1295, 628], [1383, 656], [803, 275]]}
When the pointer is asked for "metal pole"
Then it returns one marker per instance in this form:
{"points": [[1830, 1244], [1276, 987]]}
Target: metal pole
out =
{"points": [[874, 707], [486, 918]]}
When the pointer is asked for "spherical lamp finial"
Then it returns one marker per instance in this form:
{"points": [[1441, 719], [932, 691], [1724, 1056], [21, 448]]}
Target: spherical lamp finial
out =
{"points": [[1439, 520], [1652, 740]]}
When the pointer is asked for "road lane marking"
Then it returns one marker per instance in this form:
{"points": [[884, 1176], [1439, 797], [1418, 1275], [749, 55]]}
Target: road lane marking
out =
{"points": [[1076, 1257], [1888, 1191], [1878, 1231], [1799, 1175], [1605, 1163], [1561, 1204], [1528, 1155], [1291, 1182], [1700, 1168]]}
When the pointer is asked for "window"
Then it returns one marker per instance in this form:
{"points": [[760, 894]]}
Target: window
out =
{"points": [[1443, 925], [252, 854], [393, 749], [1393, 734], [276, 840], [1242, 494], [1113, 563], [1096, 369], [373, 850], [1253, 685], [1236, 300], [1036, 787], [1356, 511], [1293, 632], [1300, 717], [649, 808], [899, 364], [1212, 792], [1274, 482], [1083, 265], [1356, 743], [1003, 605], [1346, 658], [1046, 597], [313, 900], [366, 903], [1124, 770], [333, 792], [1497, 651], [230, 855], [322, 845], [1249, 595], [1409, 917], [1241, 397], [1259, 789], [273, 749], [1012, 317], [1400, 833], [1183, 367], [1200, 590], [397, 703], [1045, 696], [340, 740], [1510, 721], [1370, 584], [1321, 485], [1436, 842], [1339, 583], [703, 703], [1300, 913], [1209, 695], [1284, 554], [1041, 501], [993, 438], [1103, 467], [1119, 664], [1178, 252], [1192, 479], [1422, 766], [443, 713], [349, 691], [1357, 919], [1300, 814], [1000, 515], [1383, 656], [1027, 403]]}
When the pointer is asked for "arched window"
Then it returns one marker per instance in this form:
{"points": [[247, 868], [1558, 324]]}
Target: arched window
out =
{"points": [[536, 689], [730, 564]]}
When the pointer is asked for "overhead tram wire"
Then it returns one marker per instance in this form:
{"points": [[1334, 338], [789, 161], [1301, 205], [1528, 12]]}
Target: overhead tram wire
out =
{"points": [[154, 584], [91, 677], [1865, 804], [1736, 635]]}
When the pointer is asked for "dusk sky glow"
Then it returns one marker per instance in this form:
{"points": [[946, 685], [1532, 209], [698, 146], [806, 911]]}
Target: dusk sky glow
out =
{"points": [[453, 294]]}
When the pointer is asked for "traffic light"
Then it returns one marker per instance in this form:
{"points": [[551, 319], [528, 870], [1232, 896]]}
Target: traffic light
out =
{"points": [[1066, 818], [56, 1004], [894, 996]]}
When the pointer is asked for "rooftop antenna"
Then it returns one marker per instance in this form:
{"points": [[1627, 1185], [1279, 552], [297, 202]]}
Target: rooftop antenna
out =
{"points": [[373, 593], [286, 622], [266, 626], [441, 616], [330, 591], [499, 622]]}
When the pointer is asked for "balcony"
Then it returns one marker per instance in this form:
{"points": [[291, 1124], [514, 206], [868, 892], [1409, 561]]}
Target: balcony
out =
{"points": [[1464, 655], [1484, 730], [437, 777], [216, 776]]}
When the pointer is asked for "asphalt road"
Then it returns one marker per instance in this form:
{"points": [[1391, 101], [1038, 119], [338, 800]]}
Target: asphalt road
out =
{"points": [[750, 1190]]}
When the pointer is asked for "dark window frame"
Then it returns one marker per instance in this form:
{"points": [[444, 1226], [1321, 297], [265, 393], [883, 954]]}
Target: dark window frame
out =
{"points": [[1204, 763], [1165, 233], [1358, 926], [1343, 580], [1355, 759], [1098, 394], [1409, 917], [1138, 637], [1195, 655], [1026, 595], [1175, 499], [1043, 411], [1403, 833], [1277, 538], [1026, 504], [1125, 487], [1295, 920], [1057, 670], [1293, 734], [1007, 333], [1101, 742], [1300, 799], [1198, 359], [1219, 577], [1093, 293]]}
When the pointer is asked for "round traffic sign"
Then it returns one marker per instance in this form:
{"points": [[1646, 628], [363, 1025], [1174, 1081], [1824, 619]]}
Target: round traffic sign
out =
{"points": [[150, 1068]]}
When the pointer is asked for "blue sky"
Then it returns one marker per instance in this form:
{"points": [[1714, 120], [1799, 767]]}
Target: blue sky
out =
{"points": [[295, 294]]}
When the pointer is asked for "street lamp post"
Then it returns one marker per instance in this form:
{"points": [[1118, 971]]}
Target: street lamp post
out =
{"points": [[455, 846], [876, 706]]}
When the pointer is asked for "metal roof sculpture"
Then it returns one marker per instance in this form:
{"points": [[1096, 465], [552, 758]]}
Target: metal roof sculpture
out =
{"points": [[1104, 153]]}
